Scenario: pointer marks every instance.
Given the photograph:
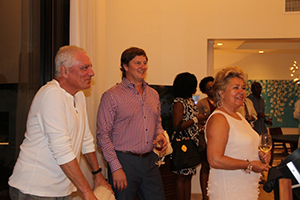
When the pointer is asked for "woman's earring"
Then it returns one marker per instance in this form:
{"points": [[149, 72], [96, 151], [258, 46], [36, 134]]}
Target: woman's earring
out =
{"points": [[219, 104]]}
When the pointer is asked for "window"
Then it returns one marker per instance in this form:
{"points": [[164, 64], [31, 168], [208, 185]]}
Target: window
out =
{"points": [[292, 6]]}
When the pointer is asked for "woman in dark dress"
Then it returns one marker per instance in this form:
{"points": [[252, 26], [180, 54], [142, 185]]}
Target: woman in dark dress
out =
{"points": [[184, 109]]}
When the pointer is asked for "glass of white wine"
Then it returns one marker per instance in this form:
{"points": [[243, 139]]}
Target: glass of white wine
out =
{"points": [[160, 161], [265, 143]]}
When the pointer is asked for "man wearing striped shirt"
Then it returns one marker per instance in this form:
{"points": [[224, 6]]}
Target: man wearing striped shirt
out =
{"points": [[128, 126]]}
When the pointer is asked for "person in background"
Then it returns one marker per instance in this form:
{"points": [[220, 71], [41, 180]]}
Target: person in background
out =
{"points": [[57, 133], [205, 106], [128, 127], [296, 115], [248, 111], [232, 144], [259, 105], [184, 109]]}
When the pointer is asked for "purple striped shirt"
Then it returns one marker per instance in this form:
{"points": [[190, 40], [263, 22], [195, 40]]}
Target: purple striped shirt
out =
{"points": [[126, 121]]}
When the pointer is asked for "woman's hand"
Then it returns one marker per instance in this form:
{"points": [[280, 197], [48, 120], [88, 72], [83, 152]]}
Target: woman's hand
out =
{"points": [[265, 157], [258, 166]]}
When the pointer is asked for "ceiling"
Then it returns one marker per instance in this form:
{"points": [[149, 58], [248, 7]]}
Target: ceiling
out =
{"points": [[252, 46]]}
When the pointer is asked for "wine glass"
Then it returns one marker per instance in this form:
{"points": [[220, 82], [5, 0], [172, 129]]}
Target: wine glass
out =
{"points": [[160, 161], [265, 143], [270, 118]]}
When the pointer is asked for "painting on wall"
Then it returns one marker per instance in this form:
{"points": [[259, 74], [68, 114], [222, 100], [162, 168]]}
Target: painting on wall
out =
{"points": [[280, 97]]}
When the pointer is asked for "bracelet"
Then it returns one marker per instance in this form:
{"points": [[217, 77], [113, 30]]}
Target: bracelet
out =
{"points": [[249, 167], [97, 171], [195, 120]]}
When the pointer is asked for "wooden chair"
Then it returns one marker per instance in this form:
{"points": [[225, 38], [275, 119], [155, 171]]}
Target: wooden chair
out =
{"points": [[285, 189], [279, 145]]}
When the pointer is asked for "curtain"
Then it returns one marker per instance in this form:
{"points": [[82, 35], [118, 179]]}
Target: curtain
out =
{"points": [[87, 30]]}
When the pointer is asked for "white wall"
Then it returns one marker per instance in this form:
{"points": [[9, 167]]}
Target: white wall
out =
{"points": [[175, 33]]}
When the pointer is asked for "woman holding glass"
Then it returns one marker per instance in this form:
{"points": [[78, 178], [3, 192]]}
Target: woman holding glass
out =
{"points": [[232, 144]]}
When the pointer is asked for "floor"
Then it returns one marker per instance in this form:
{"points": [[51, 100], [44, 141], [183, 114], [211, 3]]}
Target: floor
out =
{"points": [[262, 196]]}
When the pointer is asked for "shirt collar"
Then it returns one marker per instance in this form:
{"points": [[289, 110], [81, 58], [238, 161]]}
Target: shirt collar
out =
{"points": [[64, 91], [126, 83]]}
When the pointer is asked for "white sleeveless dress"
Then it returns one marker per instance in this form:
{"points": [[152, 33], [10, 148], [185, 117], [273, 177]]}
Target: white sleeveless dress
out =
{"points": [[235, 184]]}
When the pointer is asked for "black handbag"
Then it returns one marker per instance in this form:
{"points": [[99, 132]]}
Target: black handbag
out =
{"points": [[185, 152]]}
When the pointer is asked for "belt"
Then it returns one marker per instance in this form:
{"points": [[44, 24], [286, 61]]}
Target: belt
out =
{"points": [[144, 155]]}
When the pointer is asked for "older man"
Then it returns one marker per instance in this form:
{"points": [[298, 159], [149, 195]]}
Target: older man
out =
{"points": [[57, 133], [128, 125]]}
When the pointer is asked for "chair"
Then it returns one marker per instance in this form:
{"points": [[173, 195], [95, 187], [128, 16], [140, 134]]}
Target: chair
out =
{"points": [[285, 189], [279, 145]]}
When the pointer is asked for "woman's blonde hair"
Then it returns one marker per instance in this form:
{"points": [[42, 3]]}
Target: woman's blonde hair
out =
{"points": [[222, 79]]}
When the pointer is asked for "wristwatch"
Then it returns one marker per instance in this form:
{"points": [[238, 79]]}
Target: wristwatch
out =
{"points": [[97, 171]]}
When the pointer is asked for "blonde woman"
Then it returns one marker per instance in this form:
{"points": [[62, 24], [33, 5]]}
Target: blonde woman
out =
{"points": [[232, 144]]}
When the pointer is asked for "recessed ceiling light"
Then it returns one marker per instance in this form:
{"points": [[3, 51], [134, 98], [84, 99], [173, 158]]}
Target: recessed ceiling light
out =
{"points": [[261, 52], [219, 43]]}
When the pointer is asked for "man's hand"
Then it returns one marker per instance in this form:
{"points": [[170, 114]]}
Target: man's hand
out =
{"points": [[261, 115], [250, 118], [89, 196], [162, 140], [119, 180], [73, 172], [100, 181]]}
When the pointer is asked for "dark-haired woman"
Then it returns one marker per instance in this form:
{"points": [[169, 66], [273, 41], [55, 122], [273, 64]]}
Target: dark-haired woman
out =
{"points": [[205, 106], [184, 109]]}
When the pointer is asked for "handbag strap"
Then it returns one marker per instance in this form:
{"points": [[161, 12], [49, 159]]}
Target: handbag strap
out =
{"points": [[178, 130]]}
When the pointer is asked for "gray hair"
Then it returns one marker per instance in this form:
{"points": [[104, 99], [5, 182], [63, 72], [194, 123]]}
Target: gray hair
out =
{"points": [[222, 80], [65, 56]]}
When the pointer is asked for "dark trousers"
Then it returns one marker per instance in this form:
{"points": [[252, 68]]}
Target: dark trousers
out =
{"points": [[16, 194], [143, 178]]}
